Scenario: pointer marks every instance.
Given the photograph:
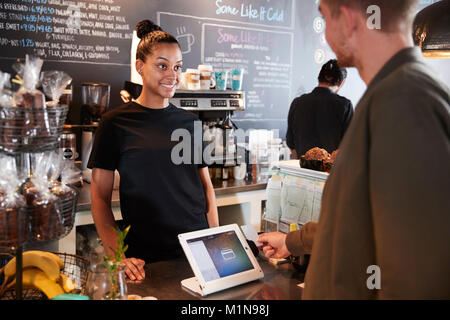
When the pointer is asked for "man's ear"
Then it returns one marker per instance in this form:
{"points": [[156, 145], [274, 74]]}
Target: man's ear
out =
{"points": [[352, 20]]}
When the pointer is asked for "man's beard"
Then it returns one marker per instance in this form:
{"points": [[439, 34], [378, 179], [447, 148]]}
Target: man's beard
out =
{"points": [[344, 55], [345, 59]]}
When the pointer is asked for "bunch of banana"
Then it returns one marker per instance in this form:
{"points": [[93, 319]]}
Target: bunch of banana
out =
{"points": [[41, 270]]}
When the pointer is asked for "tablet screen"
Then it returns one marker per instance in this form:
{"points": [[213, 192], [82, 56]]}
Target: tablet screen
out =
{"points": [[219, 255]]}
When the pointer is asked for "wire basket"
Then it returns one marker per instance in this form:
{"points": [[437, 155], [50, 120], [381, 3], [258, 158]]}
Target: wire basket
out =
{"points": [[75, 267], [31, 129], [46, 221]]}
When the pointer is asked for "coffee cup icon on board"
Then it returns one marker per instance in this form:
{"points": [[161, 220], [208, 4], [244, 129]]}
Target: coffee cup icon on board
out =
{"points": [[186, 42]]}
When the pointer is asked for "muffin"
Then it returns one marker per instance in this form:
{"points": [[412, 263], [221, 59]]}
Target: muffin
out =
{"points": [[317, 154], [314, 159]]}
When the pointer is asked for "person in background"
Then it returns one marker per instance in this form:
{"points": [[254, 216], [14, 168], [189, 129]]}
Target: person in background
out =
{"points": [[320, 118], [158, 198], [383, 231]]}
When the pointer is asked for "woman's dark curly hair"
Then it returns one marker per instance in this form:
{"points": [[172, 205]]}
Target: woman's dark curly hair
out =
{"points": [[150, 35], [331, 73]]}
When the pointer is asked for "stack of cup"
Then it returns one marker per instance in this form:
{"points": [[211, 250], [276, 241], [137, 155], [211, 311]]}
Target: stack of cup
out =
{"points": [[193, 79], [207, 80]]}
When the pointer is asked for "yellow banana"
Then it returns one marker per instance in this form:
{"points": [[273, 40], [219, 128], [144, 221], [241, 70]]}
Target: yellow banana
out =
{"points": [[39, 259], [39, 280], [48, 254], [67, 284], [53, 256]]}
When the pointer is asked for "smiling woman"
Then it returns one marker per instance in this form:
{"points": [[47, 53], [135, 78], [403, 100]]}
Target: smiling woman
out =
{"points": [[159, 62], [159, 199]]}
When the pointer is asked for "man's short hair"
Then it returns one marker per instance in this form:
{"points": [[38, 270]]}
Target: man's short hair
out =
{"points": [[394, 13]]}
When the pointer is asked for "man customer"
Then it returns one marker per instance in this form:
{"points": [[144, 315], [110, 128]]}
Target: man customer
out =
{"points": [[385, 205], [320, 118]]}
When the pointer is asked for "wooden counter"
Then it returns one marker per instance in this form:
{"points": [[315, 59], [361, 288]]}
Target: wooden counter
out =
{"points": [[163, 279], [220, 188]]}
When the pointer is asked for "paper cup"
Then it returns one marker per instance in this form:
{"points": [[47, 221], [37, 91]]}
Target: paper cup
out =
{"points": [[207, 79], [221, 79], [236, 78], [193, 79]]}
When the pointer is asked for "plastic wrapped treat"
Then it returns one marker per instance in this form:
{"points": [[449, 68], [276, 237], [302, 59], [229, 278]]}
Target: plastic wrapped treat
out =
{"points": [[28, 96], [67, 197], [44, 208], [5, 93], [34, 118], [71, 175], [14, 224], [67, 173], [6, 102], [54, 83], [29, 125], [66, 194]]}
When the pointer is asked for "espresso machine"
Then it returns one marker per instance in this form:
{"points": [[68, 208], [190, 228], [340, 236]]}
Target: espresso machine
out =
{"points": [[215, 109], [94, 102]]}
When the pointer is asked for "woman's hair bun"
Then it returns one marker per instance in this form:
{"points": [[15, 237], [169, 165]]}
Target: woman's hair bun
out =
{"points": [[145, 27], [332, 64], [331, 73]]}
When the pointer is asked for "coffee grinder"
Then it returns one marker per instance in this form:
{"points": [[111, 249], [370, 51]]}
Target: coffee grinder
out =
{"points": [[94, 102]]}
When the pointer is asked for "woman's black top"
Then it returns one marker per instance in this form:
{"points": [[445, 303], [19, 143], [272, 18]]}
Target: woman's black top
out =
{"points": [[318, 119], [158, 198]]}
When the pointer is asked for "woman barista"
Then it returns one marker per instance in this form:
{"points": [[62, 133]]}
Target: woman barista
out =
{"points": [[158, 198]]}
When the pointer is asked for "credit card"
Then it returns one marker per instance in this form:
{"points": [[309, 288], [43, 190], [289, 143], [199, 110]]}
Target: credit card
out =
{"points": [[251, 234]]}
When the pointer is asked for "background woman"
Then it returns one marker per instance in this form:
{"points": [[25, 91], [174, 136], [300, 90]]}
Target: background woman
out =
{"points": [[320, 118]]}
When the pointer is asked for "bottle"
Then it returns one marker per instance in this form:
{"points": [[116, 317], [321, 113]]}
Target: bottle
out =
{"points": [[225, 175], [67, 144]]}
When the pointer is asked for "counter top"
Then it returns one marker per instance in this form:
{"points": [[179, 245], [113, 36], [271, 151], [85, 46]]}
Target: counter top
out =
{"points": [[220, 188], [163, 281]]}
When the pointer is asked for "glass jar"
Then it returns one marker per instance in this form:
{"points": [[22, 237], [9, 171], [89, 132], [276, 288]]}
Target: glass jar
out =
{"points": [[67, 144], [107, 282]]}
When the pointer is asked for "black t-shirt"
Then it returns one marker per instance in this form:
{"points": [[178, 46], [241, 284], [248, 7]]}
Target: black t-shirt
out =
{"points": [[318, 119], [158, 198]]}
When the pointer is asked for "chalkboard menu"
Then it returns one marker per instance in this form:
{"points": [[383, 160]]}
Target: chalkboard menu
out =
{"points": [[90, 32], [279, 43]]}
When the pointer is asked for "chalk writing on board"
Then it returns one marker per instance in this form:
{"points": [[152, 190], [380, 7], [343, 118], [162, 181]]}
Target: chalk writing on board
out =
{"points": [[250, 11], [266, 57], [60, 30]]}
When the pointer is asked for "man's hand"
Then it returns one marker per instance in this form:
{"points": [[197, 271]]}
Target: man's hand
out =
{"points": [[134, 269], [274, 245]]}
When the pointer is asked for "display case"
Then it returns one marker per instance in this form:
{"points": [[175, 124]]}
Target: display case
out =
{"points": [[294, 196]]}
